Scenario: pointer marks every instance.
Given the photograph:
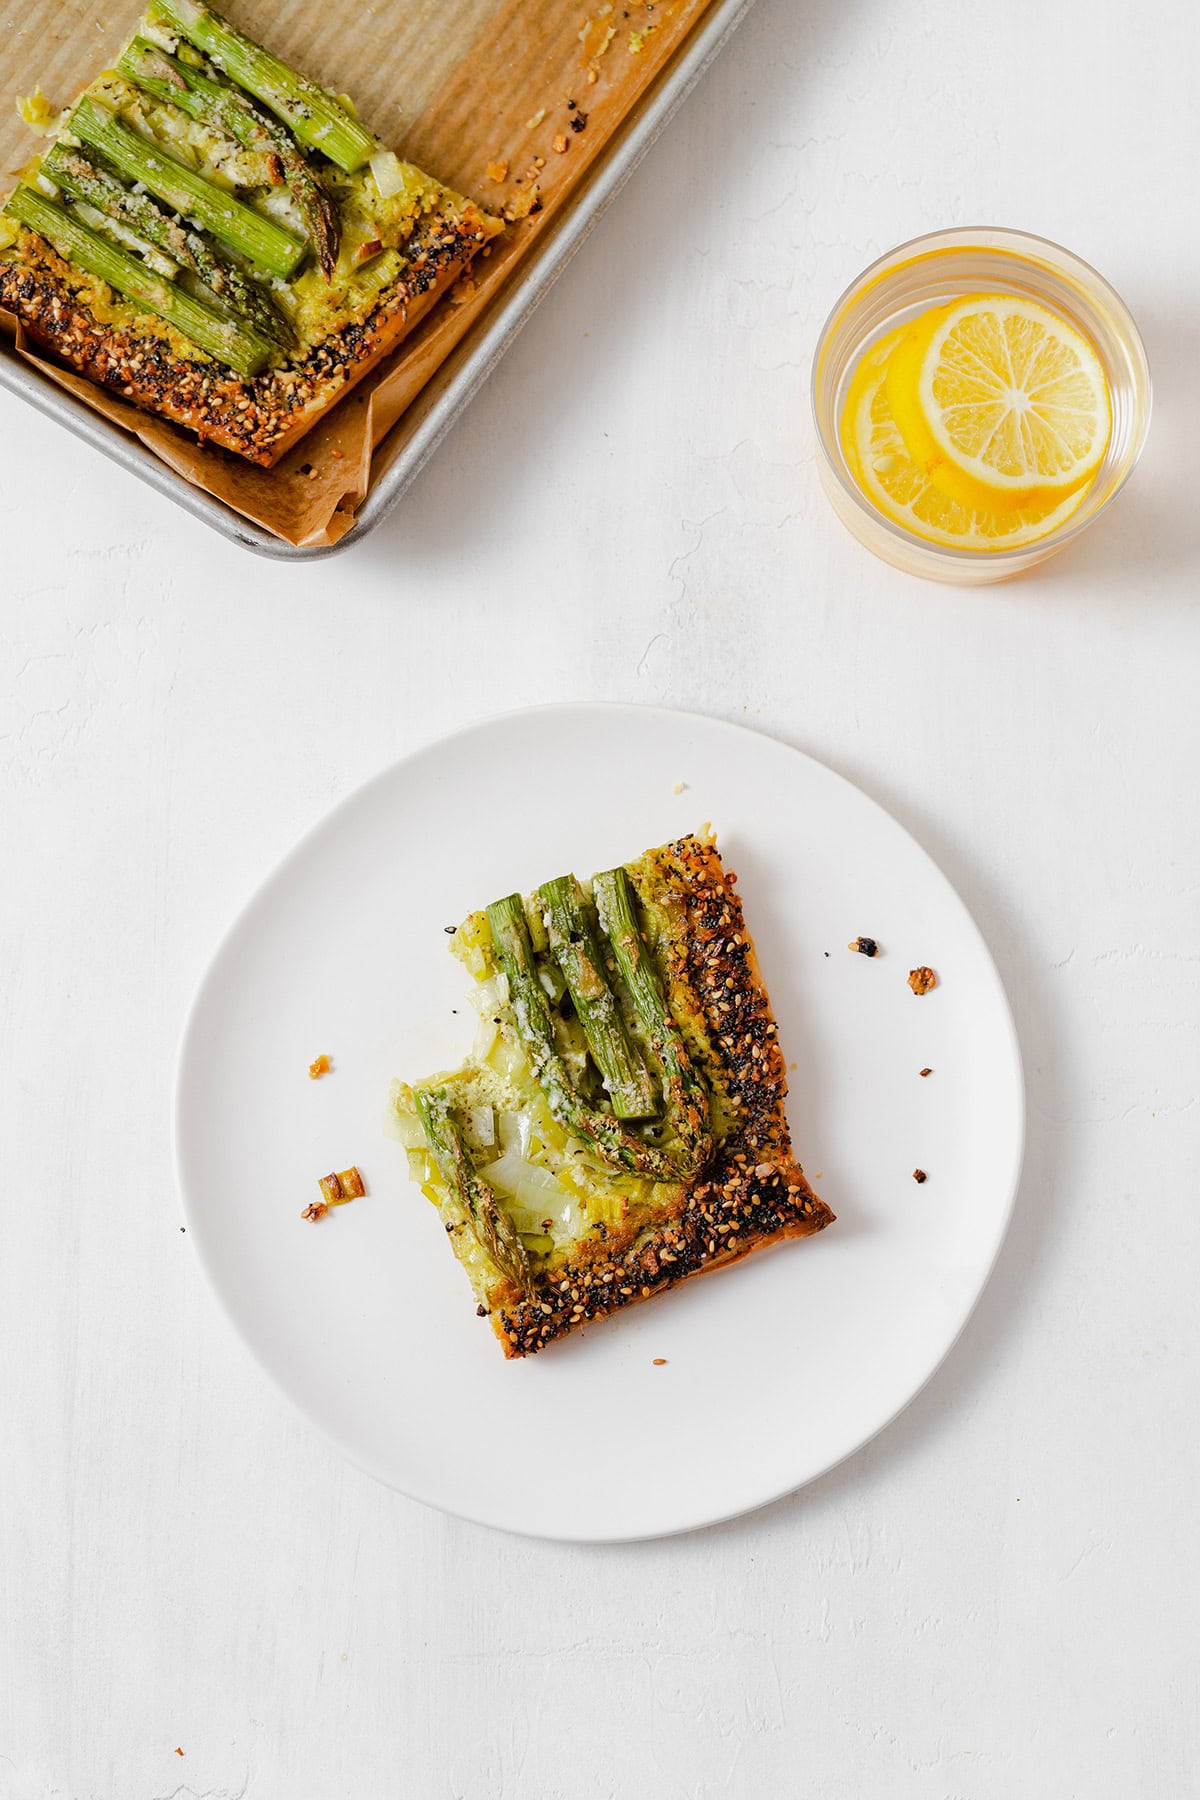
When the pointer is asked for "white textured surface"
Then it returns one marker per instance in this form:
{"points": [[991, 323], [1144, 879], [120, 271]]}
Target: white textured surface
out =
{"points": [[997, 1597]]}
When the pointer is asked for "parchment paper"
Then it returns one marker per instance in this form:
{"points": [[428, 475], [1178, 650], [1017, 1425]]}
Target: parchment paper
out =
{"points": [[464, 88]]}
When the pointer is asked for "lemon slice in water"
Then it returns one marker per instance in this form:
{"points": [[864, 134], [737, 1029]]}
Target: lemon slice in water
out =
{"points": [[1001, 402], [879, 461]]}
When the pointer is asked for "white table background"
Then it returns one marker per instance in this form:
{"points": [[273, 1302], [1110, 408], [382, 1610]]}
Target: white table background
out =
{"points": [[998, 1596]]}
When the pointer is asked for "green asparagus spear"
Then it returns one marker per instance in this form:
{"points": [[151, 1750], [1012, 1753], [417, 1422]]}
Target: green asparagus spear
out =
{"points": [[312, 115], [239, 296], [239, 227], [687, 1097], [228, 109], [612, 1142], [496, 1233], [241, 349], [575, 950]]}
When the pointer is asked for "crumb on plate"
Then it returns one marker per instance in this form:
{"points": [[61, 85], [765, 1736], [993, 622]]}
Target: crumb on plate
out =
{"points": [[864, 945], [497, 171], [922, 979], [316, 1209], [320, 1065], [346, 1185], [659, 1361], [927, 1071], [919, 1175]]}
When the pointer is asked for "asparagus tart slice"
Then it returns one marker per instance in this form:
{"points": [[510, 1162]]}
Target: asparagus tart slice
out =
{"points": [[619, 1126], [220, 241]]}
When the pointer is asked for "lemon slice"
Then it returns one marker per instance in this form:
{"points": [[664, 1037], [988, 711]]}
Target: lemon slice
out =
{"points": [[878, 460], [1000, 401]]}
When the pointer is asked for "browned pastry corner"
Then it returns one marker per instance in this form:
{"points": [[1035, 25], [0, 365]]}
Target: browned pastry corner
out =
{"points": [[260, 417]]}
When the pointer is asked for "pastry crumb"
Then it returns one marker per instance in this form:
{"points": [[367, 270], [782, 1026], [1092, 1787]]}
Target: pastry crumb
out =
{"points": [[659, 1361], [346, 1185], [497, 171], [864, 945], [522, 205], [919, 1175], [680, 787], [316, 1209], [559, 146], [532, 124], [320, 1065], [926, 1071], [922, 979]]}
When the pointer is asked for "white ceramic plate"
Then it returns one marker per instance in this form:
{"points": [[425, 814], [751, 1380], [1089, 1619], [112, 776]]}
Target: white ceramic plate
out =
{"points": [[775, 1369]]}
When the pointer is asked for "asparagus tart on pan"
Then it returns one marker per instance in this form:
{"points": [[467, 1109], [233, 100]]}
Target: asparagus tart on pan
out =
{"points": [[219, 240], [620, 1124]]}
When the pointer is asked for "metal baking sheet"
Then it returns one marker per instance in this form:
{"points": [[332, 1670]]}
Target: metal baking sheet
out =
{"points": [[418, 432]]}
